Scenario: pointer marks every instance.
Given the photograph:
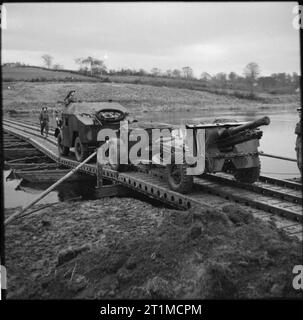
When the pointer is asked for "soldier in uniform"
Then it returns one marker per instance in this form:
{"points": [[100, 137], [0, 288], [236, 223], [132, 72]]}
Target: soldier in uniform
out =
{"points": [[69, 98], [44, 120], [298, 132]]}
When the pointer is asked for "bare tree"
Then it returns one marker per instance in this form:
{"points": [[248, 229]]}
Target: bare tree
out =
{"points": [[82, 68], [169, 73], [188, 72], [57, 66], [47, 59], [220, 79], [205, 76], [155, 72], [251, 73], [96, 66], [176, 73], [232, 77]]}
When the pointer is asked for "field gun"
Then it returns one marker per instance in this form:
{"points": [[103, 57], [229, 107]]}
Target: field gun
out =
{"points": [[231, 136]]}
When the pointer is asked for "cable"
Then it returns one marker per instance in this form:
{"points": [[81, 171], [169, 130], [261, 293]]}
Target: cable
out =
{"points": [[282, 173]]}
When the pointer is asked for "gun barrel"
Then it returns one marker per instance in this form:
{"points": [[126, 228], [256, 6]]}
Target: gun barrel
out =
{"points": [[250, 125]]}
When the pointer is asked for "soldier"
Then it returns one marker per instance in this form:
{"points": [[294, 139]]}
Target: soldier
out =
{"points": [[44, 120], [69, 98], [298, 132]]}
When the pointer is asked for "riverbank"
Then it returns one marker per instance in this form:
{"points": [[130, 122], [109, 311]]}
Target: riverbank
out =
{"points": [[125, 248], [19, 97]]}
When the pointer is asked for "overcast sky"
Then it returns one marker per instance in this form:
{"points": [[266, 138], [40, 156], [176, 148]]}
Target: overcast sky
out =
{"points": [[211, 37]]}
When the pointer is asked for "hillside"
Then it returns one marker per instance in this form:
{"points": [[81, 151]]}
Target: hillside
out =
{"points": [[26, 89], [41, 74]]}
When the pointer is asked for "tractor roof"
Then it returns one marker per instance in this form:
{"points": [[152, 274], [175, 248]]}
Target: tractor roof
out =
{"points": [[93, 107]]}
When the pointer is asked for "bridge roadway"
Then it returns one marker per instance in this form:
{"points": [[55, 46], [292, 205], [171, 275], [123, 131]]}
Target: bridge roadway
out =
{"points": [[155, 186]]}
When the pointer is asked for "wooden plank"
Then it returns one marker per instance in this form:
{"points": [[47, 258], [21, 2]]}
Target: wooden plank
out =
{"points": [[14, 153], [49, 175], [32, 166]]}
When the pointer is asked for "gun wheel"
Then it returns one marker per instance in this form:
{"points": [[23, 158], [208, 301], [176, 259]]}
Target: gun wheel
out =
{"points": [[247, 175], [81, 150], [177, 178], [63, 151]]}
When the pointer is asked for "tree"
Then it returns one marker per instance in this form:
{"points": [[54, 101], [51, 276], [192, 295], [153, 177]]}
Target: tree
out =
{"points": [[57, 66], [295, 79], [176, 73], [187, 72], [169, 73], [142, 72], [221, 79], [94, 65], [205, 76], [98, 67], [47, 59], [232, 77], [251, 73], [82, 67], [155, 72]]}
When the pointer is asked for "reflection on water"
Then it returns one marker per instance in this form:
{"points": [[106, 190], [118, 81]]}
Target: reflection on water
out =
{"points": [[278, 137], [19, 193]]}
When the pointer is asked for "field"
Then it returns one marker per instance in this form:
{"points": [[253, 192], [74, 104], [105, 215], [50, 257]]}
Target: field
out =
{"points": [[26, 89], [41, 74], [27, 97]]}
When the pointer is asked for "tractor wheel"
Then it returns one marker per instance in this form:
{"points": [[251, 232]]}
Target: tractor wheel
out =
{"points": [[63, 151], [114, 155], [81, 150], [177, 178], [247, 175]]}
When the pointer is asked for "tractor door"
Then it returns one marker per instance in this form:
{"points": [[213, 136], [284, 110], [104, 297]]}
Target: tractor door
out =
{"points": [[65, 129]]}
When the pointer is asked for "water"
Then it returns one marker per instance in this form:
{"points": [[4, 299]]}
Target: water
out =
{"points": [[278, 137], [20, 193]]}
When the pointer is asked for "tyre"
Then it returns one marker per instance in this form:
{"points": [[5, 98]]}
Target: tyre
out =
{"points": [[81, 150], [63, 151], [177, 178], [247, 175]]}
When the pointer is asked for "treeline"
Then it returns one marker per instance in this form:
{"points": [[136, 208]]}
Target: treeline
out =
{"points": [[274, 83], [250, 81]]}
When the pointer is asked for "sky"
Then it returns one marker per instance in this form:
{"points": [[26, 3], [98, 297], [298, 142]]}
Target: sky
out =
{"points": [[208, 37]]}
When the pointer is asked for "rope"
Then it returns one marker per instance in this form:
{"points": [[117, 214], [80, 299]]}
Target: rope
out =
{"points": [[282, 173]]}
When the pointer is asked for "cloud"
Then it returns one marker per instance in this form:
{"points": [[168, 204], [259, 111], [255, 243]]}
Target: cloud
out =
{"points": [[209, 37]]}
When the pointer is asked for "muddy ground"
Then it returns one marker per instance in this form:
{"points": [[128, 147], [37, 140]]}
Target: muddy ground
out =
{"points": [[124, 248]]}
